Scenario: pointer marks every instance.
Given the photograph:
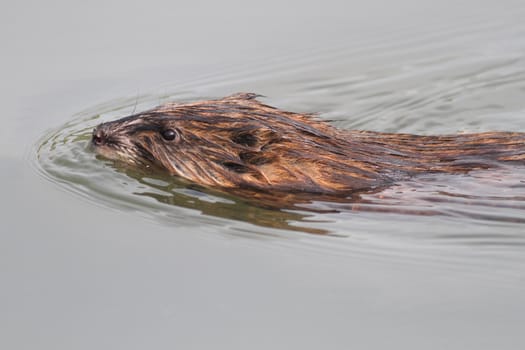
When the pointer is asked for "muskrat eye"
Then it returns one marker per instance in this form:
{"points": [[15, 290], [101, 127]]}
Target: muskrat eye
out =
{"points": [[169, 134]]}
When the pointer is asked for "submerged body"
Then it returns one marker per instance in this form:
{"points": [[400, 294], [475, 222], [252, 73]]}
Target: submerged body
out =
{"points": [[239, 143]]}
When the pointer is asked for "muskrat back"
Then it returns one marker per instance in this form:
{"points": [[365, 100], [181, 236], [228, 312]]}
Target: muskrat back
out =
{"points": [[238, 142]]}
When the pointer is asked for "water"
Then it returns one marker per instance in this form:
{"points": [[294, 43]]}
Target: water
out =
{"points": [[98, 256]]}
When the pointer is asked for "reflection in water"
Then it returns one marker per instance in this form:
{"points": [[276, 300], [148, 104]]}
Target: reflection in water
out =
{"points": [[257, 211]]}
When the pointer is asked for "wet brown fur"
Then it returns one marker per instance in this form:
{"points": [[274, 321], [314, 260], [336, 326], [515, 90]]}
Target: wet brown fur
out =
{"points": [[238, 142]]}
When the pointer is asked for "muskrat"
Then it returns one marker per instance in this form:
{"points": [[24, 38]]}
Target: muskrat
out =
{"points": [[240, 143]]}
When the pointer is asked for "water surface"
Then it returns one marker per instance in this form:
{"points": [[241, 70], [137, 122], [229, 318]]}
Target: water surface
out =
{"points": [[97, 256], [426, 86]]}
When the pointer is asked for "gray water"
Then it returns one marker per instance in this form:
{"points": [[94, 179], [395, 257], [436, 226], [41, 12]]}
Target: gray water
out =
{"points": [[97, 257]]}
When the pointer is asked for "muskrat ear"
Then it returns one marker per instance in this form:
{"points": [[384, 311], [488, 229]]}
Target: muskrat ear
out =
{"points": [[245, 138], [255, 138]]}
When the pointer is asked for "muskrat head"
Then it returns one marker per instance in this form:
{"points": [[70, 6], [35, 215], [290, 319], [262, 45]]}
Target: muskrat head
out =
{"points": [[235, 142], [216, 143]]}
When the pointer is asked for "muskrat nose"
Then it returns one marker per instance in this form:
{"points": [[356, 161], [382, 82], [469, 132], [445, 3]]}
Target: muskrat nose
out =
{"points": [[98, 138]]}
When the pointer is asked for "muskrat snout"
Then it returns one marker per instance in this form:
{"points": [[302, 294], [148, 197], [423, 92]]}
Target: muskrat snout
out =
{"points": [[112, 141], [98, 137]]}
